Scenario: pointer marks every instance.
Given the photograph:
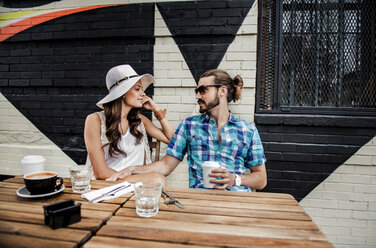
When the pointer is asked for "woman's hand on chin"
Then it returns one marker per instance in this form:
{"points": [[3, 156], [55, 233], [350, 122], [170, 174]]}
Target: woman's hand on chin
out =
{"points": [[120, 175], [149, 104]]}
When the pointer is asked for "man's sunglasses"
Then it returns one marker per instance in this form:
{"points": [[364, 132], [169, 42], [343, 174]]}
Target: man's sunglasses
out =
{"points": [[203, 88]]}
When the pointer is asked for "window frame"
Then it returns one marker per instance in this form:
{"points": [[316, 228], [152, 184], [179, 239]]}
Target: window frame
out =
{"points": [[277, 108]]}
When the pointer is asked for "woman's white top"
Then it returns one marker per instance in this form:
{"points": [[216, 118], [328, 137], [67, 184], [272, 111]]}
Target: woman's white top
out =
{"points": [[136, 154]]}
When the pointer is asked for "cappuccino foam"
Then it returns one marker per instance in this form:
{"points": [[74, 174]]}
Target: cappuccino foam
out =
{"points": [[40, 175]]}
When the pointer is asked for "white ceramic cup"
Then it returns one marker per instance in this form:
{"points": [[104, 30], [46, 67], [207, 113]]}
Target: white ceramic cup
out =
{"points": [[207, 167], [32, 163]]}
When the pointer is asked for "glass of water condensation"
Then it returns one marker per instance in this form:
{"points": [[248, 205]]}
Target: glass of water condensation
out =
{"points": [[80, 177], [147, 198]]}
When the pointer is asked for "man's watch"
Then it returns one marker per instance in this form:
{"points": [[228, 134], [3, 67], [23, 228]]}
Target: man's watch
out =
{"points": [[238, 180]]}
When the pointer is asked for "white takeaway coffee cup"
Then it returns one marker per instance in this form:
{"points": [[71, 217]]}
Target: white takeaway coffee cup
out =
{"points": [[32, 163], [207, 167]]}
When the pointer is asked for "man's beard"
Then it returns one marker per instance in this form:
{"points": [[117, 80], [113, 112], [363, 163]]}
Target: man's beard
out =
{"points": [[208, 106]]}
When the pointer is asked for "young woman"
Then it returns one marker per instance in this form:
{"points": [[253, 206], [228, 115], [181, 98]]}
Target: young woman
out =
{"points": [[116, 137]]}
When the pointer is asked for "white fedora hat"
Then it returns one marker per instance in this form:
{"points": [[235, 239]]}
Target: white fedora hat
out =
{"points": [[120, 79]]}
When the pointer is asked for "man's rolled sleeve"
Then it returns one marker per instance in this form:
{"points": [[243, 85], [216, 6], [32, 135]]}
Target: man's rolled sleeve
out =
{"points": [[255, 154], [177, 146]]}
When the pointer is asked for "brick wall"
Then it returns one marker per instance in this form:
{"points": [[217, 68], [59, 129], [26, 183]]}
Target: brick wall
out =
{"points": [[302, 150], [19, 137], [344, 205], [53, 72]]}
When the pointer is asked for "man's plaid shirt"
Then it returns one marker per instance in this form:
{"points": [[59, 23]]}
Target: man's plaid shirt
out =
{"points": [[240, 148]]}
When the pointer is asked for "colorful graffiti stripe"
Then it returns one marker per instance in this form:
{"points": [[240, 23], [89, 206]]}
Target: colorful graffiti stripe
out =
{"points": [[9, 17], [14, 28]]}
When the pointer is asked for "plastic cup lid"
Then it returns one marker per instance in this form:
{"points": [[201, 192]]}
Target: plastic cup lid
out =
{"points": [[33, 159]]}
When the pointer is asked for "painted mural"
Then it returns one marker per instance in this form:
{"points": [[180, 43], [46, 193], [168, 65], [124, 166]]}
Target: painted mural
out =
{"points": [[26, 3], [52, 65]]}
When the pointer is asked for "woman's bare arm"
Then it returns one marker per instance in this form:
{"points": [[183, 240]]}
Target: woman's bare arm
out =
{"points": [[92, 135]]}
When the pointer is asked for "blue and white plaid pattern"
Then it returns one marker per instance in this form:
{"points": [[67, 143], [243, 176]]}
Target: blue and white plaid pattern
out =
{"points": [[197, 136]]}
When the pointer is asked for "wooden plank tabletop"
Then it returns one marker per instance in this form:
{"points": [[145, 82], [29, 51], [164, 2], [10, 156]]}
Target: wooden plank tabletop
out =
{"points": [[211, 218], [214, 218]]}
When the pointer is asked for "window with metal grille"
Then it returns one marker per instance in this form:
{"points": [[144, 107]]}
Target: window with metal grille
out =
{"points": [[317, 55]]}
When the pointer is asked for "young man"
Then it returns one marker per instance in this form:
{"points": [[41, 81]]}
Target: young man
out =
{"points": [[215, 135]]}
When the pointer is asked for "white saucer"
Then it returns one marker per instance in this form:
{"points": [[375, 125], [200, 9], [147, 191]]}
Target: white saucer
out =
{"points": [[23, 192]]}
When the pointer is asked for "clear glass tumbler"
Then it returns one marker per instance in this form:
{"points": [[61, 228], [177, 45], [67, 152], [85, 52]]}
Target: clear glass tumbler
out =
{"points": [[80, 177], [147, 198]]}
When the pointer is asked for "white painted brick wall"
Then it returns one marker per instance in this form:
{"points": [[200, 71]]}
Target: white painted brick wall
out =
{"points": [[344, 205]]}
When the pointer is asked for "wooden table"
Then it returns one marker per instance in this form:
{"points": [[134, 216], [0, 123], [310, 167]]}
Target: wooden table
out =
{"points": [[211, 219], [214, 218]]}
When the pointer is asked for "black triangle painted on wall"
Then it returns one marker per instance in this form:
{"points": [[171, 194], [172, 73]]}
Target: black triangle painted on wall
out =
{"points": [[203, 30]]}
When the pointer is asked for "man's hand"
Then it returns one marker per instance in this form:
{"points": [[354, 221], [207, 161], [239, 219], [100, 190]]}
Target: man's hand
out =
{"points": [[255, 180], [227, 179], [120, 175]]}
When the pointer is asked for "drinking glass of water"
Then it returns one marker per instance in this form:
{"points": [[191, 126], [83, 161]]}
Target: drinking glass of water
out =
{"points": [[147, 198], [80, 177]]}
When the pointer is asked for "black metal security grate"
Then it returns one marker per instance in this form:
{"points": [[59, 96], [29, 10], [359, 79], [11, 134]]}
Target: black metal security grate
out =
{"points": [[268, 49], [318, 53]]}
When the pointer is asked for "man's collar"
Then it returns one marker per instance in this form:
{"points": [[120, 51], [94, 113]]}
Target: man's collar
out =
{"points": [[233, 118], [206, 118]]}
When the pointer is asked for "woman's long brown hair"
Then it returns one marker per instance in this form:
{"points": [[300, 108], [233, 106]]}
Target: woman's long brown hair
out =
{"points": [[112, 112]]}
